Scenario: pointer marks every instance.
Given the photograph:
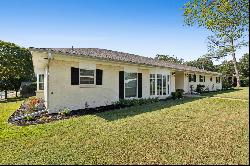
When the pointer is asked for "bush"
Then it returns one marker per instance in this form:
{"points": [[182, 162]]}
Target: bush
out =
{"points": [[179, 93], [244, 82], [65, 111], [28, 89], [227, 84], [200, 88], [32, 104], [29, 118], [135, 102], [173, 94]]}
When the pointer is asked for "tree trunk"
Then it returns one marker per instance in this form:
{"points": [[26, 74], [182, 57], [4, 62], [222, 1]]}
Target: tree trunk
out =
{"points": [[6, 94], [236, 69], [16, 93]]}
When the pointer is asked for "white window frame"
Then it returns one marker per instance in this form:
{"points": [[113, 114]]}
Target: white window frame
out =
{"points": [[87, 76], [150, 85], [136, 86], [167, 83], [38, 82]]}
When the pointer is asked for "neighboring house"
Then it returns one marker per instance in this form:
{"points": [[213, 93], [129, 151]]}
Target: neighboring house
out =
{"points": [[91, 77]]}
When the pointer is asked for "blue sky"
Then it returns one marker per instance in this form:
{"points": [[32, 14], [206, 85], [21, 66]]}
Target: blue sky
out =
{"points": [[143, 27]]}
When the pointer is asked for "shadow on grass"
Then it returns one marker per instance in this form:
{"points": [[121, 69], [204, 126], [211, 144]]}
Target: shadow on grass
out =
{"points": [[136, 110], [211, 94], [14, 99]]}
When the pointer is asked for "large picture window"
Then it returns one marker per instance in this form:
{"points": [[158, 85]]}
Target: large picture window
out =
{"points": [[159, 84], [152, 84], [130, 85], [87, 77]]}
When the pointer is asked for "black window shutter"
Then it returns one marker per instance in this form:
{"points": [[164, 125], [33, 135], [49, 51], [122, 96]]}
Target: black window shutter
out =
{"points": [[121, 84], [99, 77], [139, 85], [204, 79], [74, 76], [194, 78]]}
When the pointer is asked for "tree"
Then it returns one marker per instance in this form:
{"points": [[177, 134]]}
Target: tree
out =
{"points": [[244, 66], [202, 63], [169, 58], [228, 20], [15, 66]]}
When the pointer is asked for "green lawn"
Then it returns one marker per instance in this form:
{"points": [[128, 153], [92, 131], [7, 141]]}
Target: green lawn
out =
{"points": [[240, 93], [188, 131]]}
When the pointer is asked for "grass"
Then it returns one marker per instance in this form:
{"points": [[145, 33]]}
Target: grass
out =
{"points": [[239, 93], [188, 131]]}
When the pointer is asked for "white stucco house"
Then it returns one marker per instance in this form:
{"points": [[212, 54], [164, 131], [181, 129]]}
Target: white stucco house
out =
{"points": [[90, 77]]}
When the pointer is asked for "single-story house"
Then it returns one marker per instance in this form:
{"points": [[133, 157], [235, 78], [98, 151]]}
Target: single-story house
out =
{"points": [[77, 78]]}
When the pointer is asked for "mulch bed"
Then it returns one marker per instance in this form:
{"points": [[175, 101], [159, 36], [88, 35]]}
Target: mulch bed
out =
{"points": [[46, 117]]}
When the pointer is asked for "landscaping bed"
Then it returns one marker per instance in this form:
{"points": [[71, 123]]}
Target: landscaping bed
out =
{"points": [[33, 111]]}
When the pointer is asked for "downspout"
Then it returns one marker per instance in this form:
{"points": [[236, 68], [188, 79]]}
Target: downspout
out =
{"points": [[49, 58]]}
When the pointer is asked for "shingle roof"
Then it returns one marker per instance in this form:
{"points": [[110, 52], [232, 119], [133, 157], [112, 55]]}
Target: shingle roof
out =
{"points": [[122, 57]]}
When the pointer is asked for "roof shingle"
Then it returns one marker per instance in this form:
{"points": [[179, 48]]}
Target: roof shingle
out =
{"points": [[122, 57]]}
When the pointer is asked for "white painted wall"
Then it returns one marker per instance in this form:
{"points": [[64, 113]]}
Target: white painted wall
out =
{"points": [[62, 94]]}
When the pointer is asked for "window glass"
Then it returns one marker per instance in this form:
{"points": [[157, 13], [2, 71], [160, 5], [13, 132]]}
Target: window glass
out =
{"points": [[41, 82], [84, 72], [164, 88], [152, 84], [87, 76], [130, 84], [159, 84]]}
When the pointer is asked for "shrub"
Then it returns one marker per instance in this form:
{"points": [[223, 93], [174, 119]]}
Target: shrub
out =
{"points": [[173, 94], [244, 82], [135, 102], [200, 88], [226, 84], [179, 93], [33, 104], [65, 111], [29, 118]]}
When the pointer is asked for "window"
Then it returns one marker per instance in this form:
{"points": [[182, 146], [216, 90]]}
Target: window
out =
{"points": [[164, 86], [87, 77], [40, 81], [189, 78], [152, 84], [168, 84], [194, 78], [201, 78], [130, 85], [204, 78], [211, 79], [159, 84], [217, 79]]}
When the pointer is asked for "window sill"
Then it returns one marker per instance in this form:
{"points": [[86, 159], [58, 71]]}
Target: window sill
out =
{"points": [[88, 86]]}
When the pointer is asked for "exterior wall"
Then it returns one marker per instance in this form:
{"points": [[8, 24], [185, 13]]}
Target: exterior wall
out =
{"points": [[40, 65], [179, 80], [62, 94], [211, 85], [59, 93]]}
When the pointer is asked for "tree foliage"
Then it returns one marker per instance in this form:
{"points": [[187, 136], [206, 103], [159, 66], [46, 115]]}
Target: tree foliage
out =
{"points": [[15, 66], [202, 63], [226, 68], [244, 65], [169, 58], [228, 20]]}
